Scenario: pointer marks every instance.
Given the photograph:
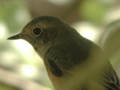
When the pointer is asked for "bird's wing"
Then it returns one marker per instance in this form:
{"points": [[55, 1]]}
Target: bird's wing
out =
{"points": [[57, 61], [60, 63], [110, 79]]}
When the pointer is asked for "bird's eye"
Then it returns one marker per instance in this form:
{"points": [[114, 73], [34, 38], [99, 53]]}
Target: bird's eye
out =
{"points": [[37, 31]]}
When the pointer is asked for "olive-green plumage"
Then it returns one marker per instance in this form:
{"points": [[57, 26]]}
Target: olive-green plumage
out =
{"points": [[65, 51]]}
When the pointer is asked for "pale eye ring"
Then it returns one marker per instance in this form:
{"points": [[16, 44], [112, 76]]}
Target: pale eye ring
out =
{"points": [[37, 31]]}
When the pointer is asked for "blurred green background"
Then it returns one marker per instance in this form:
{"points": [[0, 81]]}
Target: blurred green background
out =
{"points": [[21, 68]]}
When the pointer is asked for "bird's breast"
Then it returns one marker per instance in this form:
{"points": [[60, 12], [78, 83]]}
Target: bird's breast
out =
{"points": [[57, 81]]}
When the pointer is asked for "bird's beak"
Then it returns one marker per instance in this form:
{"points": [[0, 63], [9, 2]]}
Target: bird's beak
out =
{"points": [[18, 36]]}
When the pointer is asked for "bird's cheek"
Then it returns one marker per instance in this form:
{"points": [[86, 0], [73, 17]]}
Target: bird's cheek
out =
{"points": [[28, 38]]}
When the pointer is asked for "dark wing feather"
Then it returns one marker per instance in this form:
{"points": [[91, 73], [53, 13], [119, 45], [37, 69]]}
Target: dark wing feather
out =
{"points": [[110, 79], [58, 62]]}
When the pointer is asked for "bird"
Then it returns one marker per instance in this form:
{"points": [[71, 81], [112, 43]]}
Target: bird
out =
{"points": [[72, 61]]}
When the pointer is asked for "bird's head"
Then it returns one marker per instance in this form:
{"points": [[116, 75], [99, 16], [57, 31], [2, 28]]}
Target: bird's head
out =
{"points": [[40, 31]]}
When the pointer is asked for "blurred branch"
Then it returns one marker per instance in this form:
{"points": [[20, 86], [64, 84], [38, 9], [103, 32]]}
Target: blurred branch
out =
{"points": [[110, 42], [68, 12], [16, 81], [110, 38]]}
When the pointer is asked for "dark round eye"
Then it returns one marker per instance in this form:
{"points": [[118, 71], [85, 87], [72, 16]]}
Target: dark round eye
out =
{"points": [[37, 31]]}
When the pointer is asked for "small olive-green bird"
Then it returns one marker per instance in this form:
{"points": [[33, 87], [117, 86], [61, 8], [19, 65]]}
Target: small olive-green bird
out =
{"points": [[72, 61]]}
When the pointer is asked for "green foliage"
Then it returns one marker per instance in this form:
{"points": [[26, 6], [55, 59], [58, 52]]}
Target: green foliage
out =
{"points": [[4, 86], [8, 10], [94, 11]]}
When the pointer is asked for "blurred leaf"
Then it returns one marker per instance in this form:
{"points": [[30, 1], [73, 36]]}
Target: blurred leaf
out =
{"points": [[93, 10], [4, 86]]}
